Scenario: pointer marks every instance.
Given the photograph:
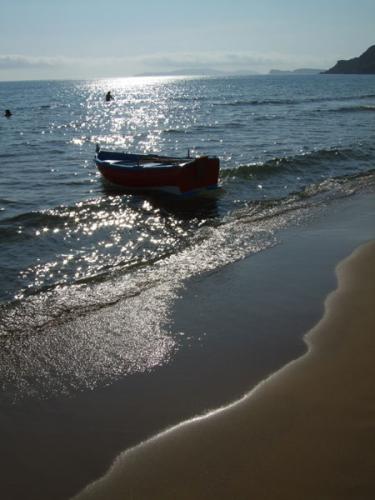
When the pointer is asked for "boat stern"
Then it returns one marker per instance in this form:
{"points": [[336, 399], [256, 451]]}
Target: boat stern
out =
{"points": [[201, 173]]}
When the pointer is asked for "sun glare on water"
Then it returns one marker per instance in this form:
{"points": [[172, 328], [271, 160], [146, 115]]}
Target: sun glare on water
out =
{"points": [[141, 111]]}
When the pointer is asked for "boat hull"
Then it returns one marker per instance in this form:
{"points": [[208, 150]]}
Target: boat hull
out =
{"points": [[147, 172]]}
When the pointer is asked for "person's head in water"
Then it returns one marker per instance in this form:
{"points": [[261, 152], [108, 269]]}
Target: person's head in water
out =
{"points": [[7, 113]]}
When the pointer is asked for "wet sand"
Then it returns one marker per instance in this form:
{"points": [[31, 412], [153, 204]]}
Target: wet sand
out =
{"points": [[308, 431], [242, 324]]}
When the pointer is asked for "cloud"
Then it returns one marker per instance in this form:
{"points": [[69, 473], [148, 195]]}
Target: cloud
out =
{"points": [[24, 62]]}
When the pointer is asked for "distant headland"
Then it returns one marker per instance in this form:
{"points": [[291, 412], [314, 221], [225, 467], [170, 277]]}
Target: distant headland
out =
{"points": [[198, 72], [184, 72], [364, 64], [300, 71]]}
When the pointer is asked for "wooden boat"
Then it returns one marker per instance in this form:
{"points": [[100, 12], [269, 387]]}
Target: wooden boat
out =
{"points": [[182, 176]]}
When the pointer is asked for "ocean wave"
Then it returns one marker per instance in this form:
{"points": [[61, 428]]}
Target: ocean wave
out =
{"points": [[88, 241], [283, 102], [174, 131], [20, 226], [353, 109], [32, 219], [7, 201], [189, 98], [9, 155], [276, 165], [308, 197], [257, 102]]}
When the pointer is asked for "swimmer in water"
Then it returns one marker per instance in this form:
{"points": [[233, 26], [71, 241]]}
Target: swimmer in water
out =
{"points": [[108, 96]]}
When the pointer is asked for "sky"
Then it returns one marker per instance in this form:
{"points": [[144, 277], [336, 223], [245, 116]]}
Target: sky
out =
{"points": [[68, 39]]}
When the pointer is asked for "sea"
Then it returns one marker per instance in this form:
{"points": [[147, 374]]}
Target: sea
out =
{"points": [[88, 273]]}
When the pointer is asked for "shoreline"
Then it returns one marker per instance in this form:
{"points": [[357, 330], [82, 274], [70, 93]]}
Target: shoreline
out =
{"points": [[245, 322], [296, 435], [346, 226]]}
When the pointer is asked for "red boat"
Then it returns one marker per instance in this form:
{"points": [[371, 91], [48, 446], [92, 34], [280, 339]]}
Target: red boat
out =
{"points": [[186, 176]]}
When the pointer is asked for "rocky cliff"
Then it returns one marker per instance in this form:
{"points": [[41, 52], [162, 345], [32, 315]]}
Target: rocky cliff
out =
{"points": [[364, 64]]}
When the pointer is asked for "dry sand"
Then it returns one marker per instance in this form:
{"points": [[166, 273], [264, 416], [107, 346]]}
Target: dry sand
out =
{"points": [[307, 432]]}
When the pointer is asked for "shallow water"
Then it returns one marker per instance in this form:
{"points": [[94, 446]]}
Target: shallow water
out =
{"points": [[88, 273]]}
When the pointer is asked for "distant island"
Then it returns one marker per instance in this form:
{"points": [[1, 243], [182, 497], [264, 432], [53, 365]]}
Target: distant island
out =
{"points": [[301, 71], [198, 71], [364, 64], [185, 72]]}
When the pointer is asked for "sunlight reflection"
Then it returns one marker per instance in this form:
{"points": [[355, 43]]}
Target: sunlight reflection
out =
{"points": [[145, 114], [113, 234], [134, 82]]}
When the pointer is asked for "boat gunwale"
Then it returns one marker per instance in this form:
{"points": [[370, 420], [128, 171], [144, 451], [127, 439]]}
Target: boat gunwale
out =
{"points": [[132, 165]]}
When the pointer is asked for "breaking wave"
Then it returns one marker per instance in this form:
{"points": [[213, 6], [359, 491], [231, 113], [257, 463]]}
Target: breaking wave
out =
{"points": [[299, 162]]}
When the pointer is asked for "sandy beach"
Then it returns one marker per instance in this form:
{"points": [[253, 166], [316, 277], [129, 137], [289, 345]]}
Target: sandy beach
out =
{"points": [[308, 431]]}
